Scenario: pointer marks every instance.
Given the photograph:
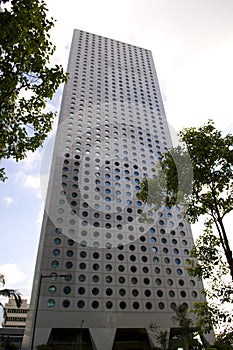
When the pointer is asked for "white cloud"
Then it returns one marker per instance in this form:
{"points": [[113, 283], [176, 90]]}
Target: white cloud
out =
{"points": [[13, 275], [32, 181], [8, 201], [28, 180], [16, 279], [31, 161]]}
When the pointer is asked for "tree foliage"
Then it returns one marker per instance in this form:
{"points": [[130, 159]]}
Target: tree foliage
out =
{"points": [[10, 293], [8, 345], [199, 176], [27, 79]]}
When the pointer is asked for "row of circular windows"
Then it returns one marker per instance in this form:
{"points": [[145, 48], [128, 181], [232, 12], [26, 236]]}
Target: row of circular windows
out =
{"points": [[118, 60], [95, 267], [95, 304], [152, 231], [153, 249], [122, 292]]}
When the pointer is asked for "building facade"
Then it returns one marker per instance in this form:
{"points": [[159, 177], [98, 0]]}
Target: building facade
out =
{"points": [[15, 317], [103, 272], [14, 322]]}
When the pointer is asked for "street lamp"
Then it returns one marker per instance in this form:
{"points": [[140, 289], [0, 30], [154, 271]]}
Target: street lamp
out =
{"points": [[37, 303]]}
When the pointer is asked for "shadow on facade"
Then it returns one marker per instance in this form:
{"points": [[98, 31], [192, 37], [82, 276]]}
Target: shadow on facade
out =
{"points": [[75, 339], [125, 339]]}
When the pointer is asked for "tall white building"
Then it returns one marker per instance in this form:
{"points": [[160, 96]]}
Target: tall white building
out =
{"points": [[103, 274]]}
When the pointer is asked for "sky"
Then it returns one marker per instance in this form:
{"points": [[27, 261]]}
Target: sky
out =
{"points": [[192, 46]]}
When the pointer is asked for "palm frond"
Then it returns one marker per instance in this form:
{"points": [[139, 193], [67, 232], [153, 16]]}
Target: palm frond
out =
{"points": [[12, 293]]}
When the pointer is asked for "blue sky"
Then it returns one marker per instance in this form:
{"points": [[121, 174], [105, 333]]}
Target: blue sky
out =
{"points": [[192, 45]]}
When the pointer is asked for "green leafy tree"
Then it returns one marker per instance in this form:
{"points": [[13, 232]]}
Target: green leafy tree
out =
{"points": [[160, 336], [213, 268], [197, 175], [224, 341], [10, 293], [27, 78], [188, 329], [8, 345]]}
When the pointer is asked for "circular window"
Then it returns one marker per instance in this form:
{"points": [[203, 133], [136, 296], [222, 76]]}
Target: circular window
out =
{"points": [[95, 304], [66, 290], [83, 254], [122, 305], [69, 253], [161, 306], [121, 268], [148, 306], [56, 252], [121, 279], [171, 293], [82, 278], [69, 265], [80, 304], [52, 289], [55, 264], [160, 293], [95, 267], [147, 293], [70, 242], [81, 290], [146, 281], [82, 266], [66, 303], [53, 276], [108, 291], [95, 291], [108, 279], [133, 269], [122, 292], [194, 294], [170, 282], [57, 241], [109, 304], [136, 305], [51, 303], [95, 278]]}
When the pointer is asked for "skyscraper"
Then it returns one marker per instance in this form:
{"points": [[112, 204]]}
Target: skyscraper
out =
{"points": [[103, 273]]}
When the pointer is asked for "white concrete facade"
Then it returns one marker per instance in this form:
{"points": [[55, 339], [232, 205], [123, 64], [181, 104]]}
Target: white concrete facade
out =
{"points": [[123, 272], [15, 317]]}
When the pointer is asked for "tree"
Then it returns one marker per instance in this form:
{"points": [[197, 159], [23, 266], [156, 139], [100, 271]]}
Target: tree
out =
{"points": [[9, 293], [224, 341], [198, 175], [188, 329], [160, 336], [8, 345], [213, 268], [27, 79]]}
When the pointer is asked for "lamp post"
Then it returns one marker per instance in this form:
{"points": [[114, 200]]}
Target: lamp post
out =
{"points": [[37, 303]]}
